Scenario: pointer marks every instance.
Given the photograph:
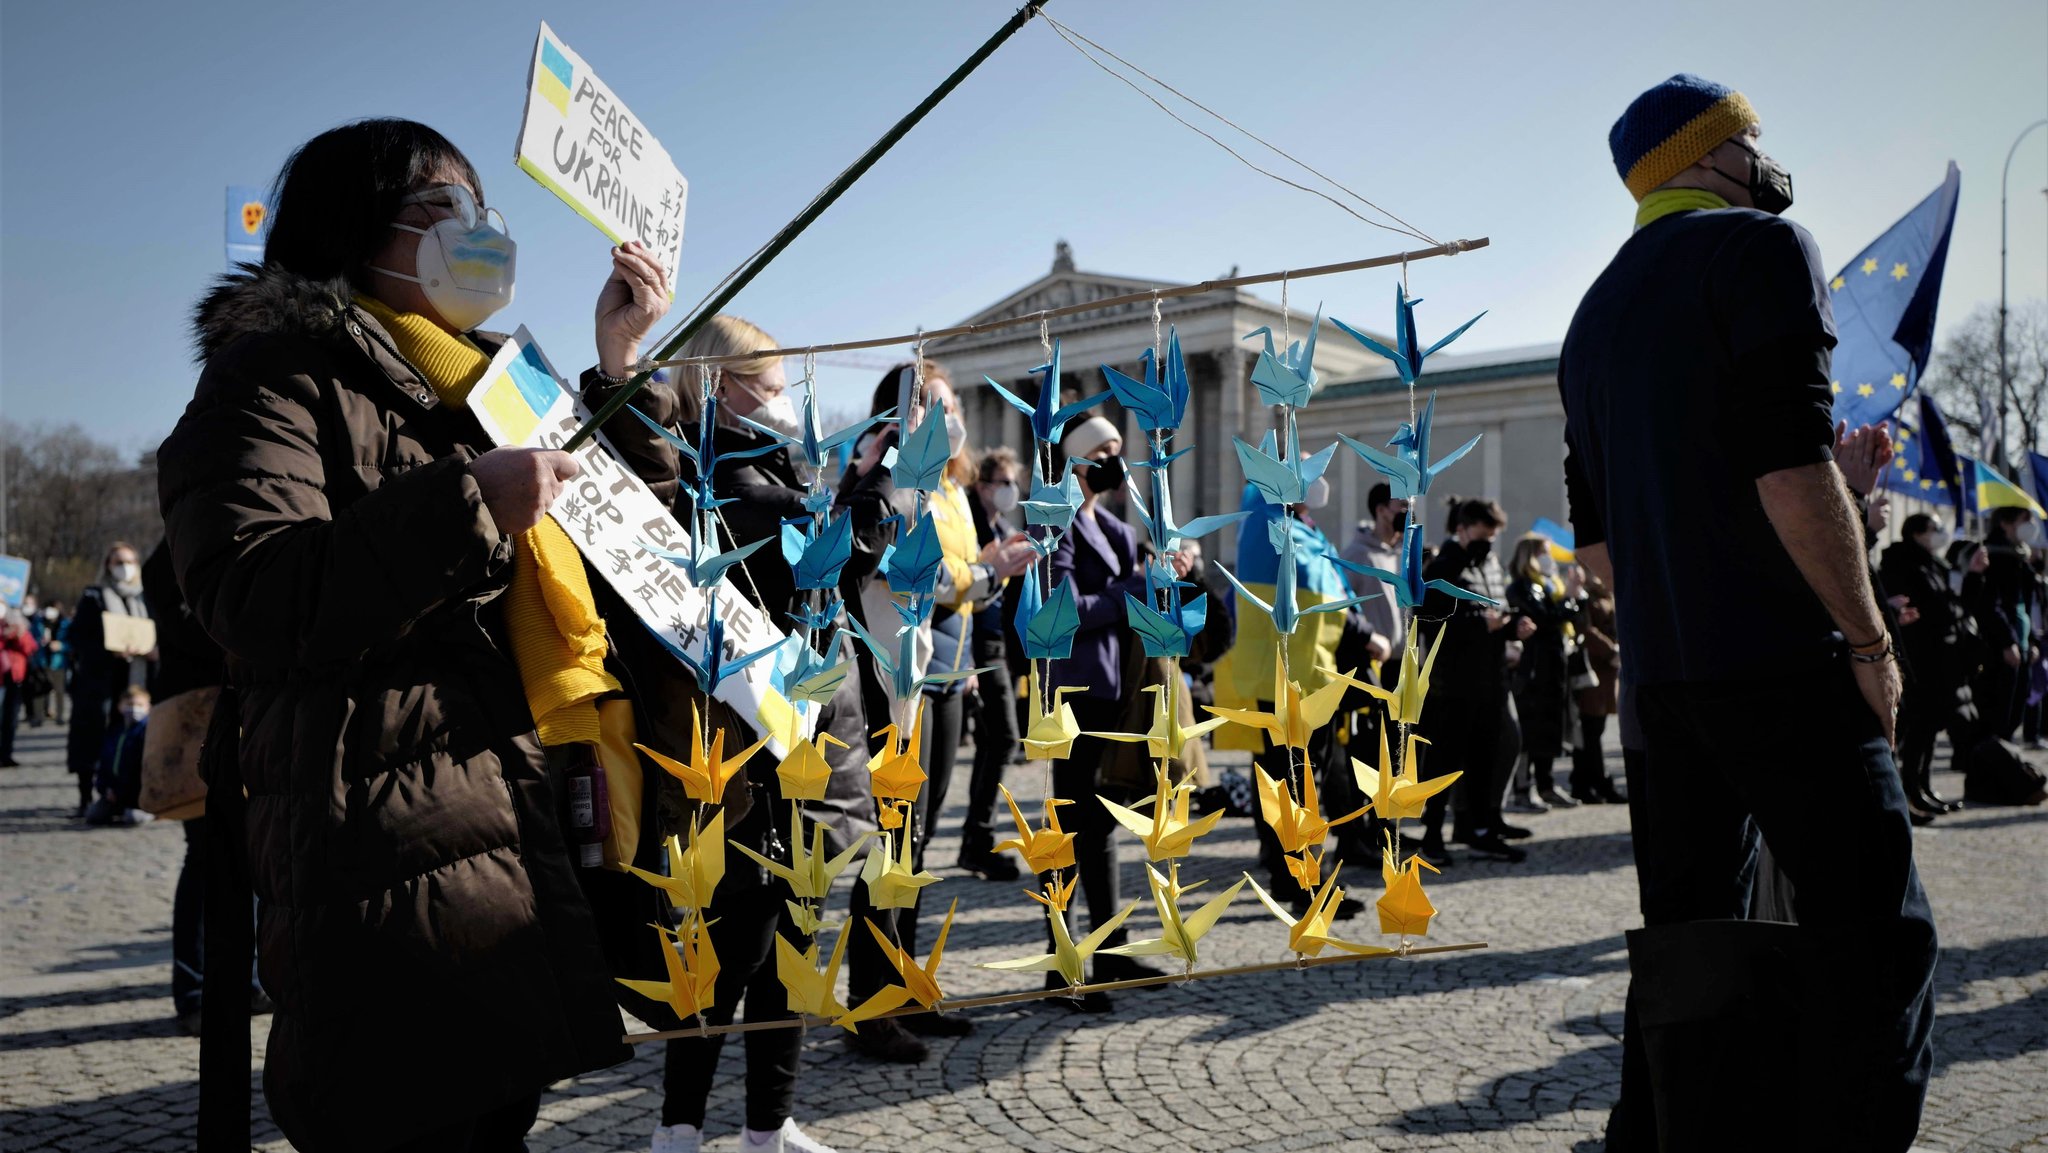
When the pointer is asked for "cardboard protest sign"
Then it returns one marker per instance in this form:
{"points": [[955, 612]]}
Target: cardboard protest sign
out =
{"points": [[13, 580], [608, 511], [586, 147]]}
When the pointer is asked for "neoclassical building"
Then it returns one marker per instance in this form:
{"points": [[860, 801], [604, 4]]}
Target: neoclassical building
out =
{"points": [[1509, 395]]}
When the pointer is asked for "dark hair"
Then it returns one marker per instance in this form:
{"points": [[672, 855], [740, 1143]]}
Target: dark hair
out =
{"points": [[1464, 512], [1916, 524], [891, 384], [1380, 496], [2004, 517], [334, 200]]}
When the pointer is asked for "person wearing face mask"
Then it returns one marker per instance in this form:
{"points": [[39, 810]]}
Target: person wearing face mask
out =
{"points": [[1541, 680], [2013, 597], [100, 673], [1704, 488], [17, 653], [992, 499], [400, 698], [118, 782], [51, 626], [1937, 647]]}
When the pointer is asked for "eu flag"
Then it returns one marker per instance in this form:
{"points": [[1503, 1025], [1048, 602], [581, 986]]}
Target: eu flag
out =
{"points": [[1884, 309], [1924, 463]]}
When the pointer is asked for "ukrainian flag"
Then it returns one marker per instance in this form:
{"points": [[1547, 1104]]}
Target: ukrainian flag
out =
{"points": [[521, 395], [1244, 676], [1995, 491], [555, 76]]}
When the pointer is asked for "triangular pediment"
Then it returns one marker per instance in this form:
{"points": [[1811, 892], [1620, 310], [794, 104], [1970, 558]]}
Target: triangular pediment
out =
{"points": [[1062, 289]]}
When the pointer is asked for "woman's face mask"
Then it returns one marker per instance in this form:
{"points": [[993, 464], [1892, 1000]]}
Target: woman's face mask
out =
{"points": [[125, 572], [777, 411], [1003, 497], [956, 433], [1935, 541], [134, 712], [1107, 475], [463, 266]]}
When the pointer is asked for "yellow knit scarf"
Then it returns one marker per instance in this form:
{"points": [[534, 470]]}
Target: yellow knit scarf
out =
{"points": [[1665, 201], [558, 640]]}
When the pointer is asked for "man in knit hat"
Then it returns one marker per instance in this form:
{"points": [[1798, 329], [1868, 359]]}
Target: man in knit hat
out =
{"points": [[1703, 489]]}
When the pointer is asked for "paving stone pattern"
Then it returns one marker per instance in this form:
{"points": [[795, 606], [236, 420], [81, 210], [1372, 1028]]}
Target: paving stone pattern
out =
{"points": [[1514, 1047]]}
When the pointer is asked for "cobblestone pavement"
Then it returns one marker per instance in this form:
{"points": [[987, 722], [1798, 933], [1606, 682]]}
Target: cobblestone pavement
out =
{"points": [[1515, 1047]]}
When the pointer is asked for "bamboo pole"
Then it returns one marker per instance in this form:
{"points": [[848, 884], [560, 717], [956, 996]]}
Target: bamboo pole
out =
{"points": [[1448, 249], [951, 1005]]}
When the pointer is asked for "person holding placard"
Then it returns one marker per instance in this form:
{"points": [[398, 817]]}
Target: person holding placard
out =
{"points": [[340, 530], [111, 648]]}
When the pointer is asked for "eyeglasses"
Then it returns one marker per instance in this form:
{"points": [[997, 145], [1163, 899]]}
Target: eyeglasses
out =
{"points": [[460, 203]]}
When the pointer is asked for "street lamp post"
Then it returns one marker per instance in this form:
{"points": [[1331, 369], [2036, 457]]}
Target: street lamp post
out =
{"points": [[2005, 393]]}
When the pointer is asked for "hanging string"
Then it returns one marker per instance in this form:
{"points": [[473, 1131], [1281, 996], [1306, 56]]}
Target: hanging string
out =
{"points": [[1075, 40], [1157, 349]]}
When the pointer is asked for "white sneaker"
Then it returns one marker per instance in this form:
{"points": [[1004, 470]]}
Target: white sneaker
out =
{"points": [[677, 1138], [788, 1139]]}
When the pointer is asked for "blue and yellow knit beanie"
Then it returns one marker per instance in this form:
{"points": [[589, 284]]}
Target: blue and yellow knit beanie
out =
{"points": [[1671, 126]]}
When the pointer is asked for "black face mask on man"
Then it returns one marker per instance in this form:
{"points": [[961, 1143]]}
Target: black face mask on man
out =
{"points": [[1769, 184], [1107, 475], [1476, 549]]}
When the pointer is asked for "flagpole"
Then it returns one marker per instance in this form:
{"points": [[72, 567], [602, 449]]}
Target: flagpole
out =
{"points": [[2005, 393]]}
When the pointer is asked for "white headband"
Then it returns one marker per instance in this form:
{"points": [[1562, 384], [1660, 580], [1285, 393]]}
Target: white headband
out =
{"points": [[1088, 436]]}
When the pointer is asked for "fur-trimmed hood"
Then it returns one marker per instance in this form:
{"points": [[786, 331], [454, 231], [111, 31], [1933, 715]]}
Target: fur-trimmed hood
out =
{"points": [[265, 299]]}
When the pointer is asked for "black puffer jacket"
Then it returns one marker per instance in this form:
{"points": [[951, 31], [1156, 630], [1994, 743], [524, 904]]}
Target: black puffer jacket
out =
{"points": [[421, 926]]}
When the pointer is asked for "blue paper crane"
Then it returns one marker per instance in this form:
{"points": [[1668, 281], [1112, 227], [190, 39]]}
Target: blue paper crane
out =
{"points": [[711, 667], [919, 463], [900, 667], [1166, 535], [1171, 633], [822, 617], [1287, 378], [1047, 416], [1409, 587], [704, 454], [1284, 610], [809, 676], [1052, 505], [817, 449], [705, 569], [816, 555], [1046, 624], [1407, 353], [911, 565], [1282, 482], [1160, 401], [1408, 471]]}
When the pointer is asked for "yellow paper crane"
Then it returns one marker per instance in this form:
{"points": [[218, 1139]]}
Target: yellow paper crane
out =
{"points": [[694, 872], [892, 884], [1177, 934], [1069, 958], [1404, 704], [1404, 907], [1167, 735], [920, 983], [1297, 826], [1309, 934], [692, 974], [1398, 796], [705, 777], [1056, 895], [1295, 715], [1167, 832], [811, 991], [809, 875], [894, 773], [1050, 734], [1043, 849], [1306, 867], [805, 771]]}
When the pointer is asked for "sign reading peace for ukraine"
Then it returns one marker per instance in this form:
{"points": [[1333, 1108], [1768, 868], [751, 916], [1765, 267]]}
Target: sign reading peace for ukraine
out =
{"points": [[584, 145], [609, 512]]}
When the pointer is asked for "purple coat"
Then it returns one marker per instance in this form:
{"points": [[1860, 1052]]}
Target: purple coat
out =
{"points": [[1100, 558]]}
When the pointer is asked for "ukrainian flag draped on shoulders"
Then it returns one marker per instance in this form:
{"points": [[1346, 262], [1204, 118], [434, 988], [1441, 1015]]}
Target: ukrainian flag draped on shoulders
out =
{"points": [[1244, 677]]}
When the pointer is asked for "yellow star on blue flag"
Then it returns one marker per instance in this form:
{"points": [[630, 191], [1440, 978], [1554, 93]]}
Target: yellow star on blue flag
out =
{"points": [[1884, 324]]}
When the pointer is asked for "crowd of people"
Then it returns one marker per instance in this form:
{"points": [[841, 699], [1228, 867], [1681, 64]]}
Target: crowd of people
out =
{"points": [[410, 659]]}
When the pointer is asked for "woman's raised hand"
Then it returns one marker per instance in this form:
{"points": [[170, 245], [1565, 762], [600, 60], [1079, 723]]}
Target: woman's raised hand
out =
{"points": [[633, 298]]}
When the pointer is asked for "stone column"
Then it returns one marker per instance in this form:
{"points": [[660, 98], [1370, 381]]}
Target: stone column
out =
{"points": [[1233, 376]]}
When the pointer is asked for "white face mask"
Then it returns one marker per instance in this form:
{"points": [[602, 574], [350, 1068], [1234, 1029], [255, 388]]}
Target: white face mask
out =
{"points": [[1319, 492], [464, 266], [1003, 497], [1935, 542], [50, 613], [1546, 565], [956, 433], [125, 574], [777, 412], [134, 713]]}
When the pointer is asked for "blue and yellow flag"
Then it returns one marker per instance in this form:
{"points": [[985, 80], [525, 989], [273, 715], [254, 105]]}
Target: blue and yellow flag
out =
{"points": [[1924, 462], [1995, 491], [2038, 465], [1884, 309]]}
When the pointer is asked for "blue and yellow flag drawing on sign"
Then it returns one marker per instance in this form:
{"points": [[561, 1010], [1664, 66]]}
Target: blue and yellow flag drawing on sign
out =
{"points": [[521, 395], [556, 78], [1884, 309]]}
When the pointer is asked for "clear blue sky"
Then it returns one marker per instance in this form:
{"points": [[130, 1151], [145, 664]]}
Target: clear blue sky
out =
{"points": [[120, 124]]}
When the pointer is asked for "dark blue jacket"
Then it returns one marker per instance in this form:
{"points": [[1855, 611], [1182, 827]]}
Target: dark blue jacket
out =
{"points": [[1099, 557]]}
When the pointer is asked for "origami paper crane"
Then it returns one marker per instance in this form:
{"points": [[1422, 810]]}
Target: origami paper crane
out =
{"points": [[1053, 505], [920, 983], [809, 679], [1298, 826], [1167, 736], [805, 772], [1165, 534], [1056, 895], [705, 568], [1282, 482], [1306, 867], [1178, 935], [1050, 735], [1043, 849], [817, 554], [1295, 715], [811, 991], [809, 875], [705, 776], [892, 884], [692, 972], [694, 872], [1288, 378], [1407, 353], [1309, 934], [1407, 470], [898, 666], [894, 773], [919, 463], [706, 457], [1047, 623], [911, 565], [815, 448], [821, 617], [710, 665], [1410, 590], [1404, 704], [1160, 401], [1398, 796], [1069, 958], [1165, 636], [1285, 609], [1404, 907], [1167, 831], [1047, 416]]}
